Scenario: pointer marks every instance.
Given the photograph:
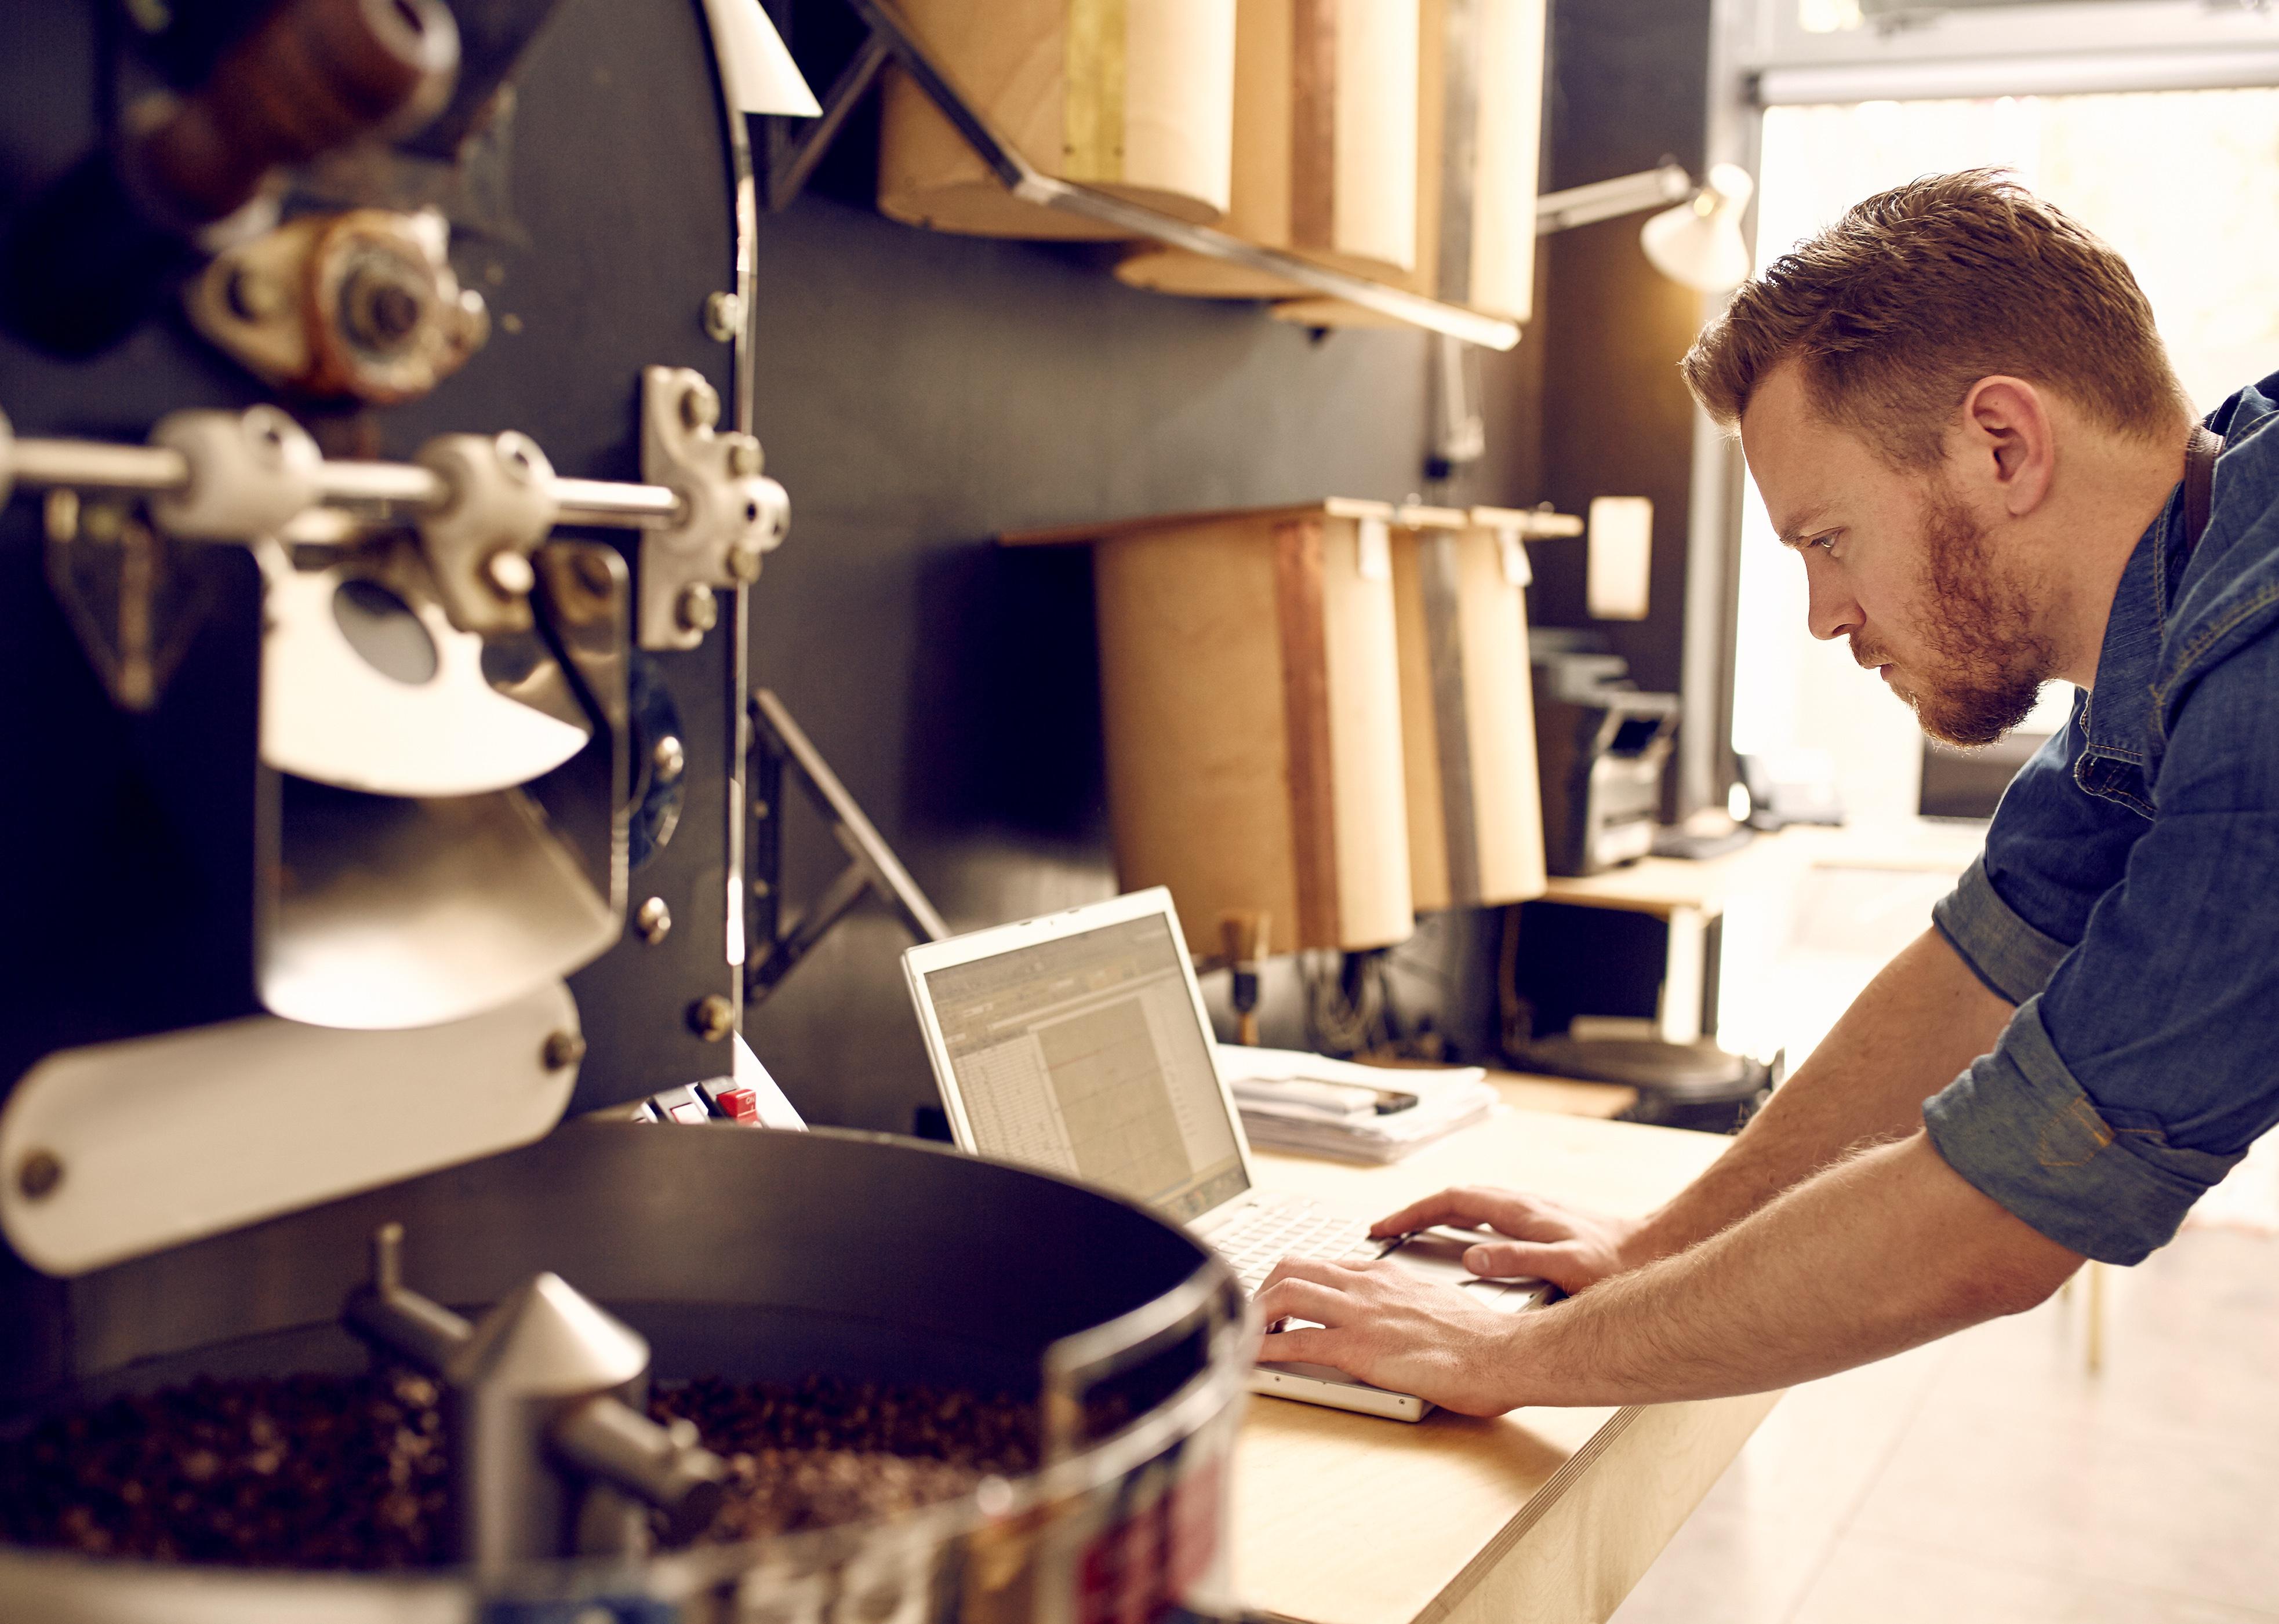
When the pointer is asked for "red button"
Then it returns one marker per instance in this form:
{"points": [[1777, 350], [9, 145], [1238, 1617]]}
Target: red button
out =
{"points": [[738, 1104]]}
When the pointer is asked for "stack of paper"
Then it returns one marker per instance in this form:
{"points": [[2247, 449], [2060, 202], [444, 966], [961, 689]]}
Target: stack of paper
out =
{"points": [[1296, 1101]]}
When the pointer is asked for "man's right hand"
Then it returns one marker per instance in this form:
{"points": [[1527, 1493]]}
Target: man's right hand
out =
{"points": [[1549, 1240]]}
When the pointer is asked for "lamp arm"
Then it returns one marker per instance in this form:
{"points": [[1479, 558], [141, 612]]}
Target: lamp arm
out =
{"points": [[1604, 200]]}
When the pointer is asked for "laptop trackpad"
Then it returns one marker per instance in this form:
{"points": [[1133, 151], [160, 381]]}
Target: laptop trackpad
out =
{"points": [[1438, 1254]]}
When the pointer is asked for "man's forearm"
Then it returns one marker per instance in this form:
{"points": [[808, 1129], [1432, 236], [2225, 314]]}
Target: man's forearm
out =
{"points": [[1889, 1250], [1913, 1029]]}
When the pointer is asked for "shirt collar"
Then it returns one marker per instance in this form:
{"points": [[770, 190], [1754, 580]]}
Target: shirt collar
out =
{"points": [[2119, 720]]}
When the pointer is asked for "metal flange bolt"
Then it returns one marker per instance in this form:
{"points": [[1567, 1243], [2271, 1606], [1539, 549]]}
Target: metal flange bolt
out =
{"points": [[252, 474], [730, 514], [698, 610], [510, 573], [38, 1175], [501, 505], [724, 316], [712, 1017]]}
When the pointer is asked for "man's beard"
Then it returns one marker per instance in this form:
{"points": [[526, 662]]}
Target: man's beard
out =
{"points": [[1982, 664]]}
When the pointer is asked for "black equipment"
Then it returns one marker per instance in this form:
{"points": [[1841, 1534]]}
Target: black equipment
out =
{"points": [[1601, 745], [378, 509]]}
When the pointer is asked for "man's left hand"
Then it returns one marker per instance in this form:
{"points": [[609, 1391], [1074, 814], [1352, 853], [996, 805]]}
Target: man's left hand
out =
{"points": [[1378, 1322]]}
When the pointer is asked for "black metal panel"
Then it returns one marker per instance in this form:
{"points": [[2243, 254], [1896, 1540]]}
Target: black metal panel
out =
{"points": [[1628, 90], [132, 839], [918, 393]]}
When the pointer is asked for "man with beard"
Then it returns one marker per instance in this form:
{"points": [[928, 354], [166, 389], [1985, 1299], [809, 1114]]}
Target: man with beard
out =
{"points": [[1961, 417]]}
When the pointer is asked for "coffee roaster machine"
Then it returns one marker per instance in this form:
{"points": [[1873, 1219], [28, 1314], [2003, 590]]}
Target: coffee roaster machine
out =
{"points": [[380, 517]]}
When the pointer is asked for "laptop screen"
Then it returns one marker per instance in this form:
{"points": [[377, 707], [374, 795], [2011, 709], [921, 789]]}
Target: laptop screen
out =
{"points": [[1084, 1055]]}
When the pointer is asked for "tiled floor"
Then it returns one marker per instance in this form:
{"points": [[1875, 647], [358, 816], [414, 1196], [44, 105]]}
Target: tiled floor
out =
{"points": [[1989, 1479]]}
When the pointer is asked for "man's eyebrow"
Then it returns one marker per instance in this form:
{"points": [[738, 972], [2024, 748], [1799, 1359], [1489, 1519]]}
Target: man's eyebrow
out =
{"points": [[1797, 531]]}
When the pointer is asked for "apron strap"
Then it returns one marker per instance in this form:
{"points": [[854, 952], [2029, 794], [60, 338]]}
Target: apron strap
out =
{"points": [[2200, 452]]}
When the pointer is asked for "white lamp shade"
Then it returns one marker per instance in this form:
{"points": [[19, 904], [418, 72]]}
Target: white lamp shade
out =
{"points": [[1700, 242]]}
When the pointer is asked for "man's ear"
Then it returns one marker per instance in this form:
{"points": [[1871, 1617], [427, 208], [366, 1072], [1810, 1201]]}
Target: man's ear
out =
{"points": [[2008, 450]]}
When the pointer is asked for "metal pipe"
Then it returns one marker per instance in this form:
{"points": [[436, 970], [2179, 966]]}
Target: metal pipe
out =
{"points": [[1607, 200], [664, 1467], [406, 484], [1472, 326], [604, 501], [94, 464], [404, 1323]]}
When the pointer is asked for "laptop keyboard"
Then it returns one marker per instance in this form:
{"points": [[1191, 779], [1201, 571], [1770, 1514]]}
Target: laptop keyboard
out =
{"points": [[1268, 1234]]}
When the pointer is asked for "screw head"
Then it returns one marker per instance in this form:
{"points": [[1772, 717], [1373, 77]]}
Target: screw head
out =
{"points": [[699, 407], [384, 304], [518, 456], [38, 1173], [62, 516], [266, 429], [712, 1017], [394, 311], [724, 316], [654, 921], [698, 610], [509, 573], [668, 759], [743, 564], [562, 1049], [744, 460], [253, 296]]}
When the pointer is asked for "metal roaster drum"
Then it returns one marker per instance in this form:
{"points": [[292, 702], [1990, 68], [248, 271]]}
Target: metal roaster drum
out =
{"points": [[751, 1256]]}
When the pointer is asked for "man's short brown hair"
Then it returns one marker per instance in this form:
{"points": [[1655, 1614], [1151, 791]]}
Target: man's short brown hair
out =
{"points": [[1915, 295]]}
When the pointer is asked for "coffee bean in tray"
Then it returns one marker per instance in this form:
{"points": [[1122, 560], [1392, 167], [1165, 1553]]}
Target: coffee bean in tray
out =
{"points": [[828, 1451], [353, 1472], [304, 1471]]}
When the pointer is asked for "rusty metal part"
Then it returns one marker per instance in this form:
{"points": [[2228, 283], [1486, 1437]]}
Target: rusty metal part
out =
{"points": [[315, 74], [359, 305]]}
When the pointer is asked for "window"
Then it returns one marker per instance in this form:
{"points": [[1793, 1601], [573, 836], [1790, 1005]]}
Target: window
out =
{"points": [[2177, 181]]}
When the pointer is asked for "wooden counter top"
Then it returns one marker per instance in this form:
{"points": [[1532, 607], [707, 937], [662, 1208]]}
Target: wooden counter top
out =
{"points": [[1543, 1514]]}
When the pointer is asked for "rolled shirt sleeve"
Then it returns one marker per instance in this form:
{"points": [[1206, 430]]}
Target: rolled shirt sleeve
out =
{"points": [[2012, 957], [2020, 1129], [2144, 1065], [2054, 849]]}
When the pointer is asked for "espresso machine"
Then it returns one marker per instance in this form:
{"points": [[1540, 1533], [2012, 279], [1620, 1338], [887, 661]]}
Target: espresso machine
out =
{"points": [[379, 515]]}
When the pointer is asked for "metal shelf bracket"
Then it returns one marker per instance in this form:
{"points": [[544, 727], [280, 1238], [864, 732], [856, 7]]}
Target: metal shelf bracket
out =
{"points": [[791, 161], [781, 750]]}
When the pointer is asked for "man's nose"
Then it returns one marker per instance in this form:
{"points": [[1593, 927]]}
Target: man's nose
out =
{"points": [[1832, 612]]}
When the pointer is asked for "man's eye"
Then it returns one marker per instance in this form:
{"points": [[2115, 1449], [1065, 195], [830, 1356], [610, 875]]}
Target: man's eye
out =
{"points": [[1825, 543]]}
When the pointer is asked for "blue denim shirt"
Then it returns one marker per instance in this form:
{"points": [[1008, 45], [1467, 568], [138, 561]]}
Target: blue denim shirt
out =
{"points": [[2128, 900]]}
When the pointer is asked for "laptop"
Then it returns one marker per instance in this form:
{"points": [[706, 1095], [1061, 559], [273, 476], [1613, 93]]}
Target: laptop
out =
{"points": [[1077, 1044]]}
